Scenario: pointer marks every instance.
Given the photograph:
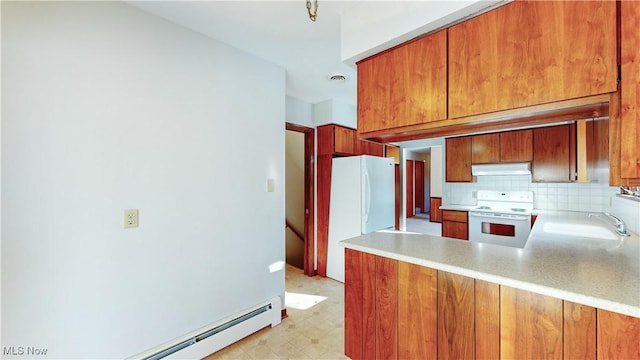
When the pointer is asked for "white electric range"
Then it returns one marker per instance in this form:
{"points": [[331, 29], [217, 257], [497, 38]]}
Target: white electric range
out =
{"points": [[501, 217]]}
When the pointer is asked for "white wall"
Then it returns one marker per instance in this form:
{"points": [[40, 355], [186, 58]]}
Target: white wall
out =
{"points": [[335, 112], [299, 112], [106, 108]]}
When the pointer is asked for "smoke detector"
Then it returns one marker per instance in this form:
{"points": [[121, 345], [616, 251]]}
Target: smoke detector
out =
{"points": [[337, 78]]}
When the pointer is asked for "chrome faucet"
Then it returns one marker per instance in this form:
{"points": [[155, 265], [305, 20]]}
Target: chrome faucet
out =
{"points": [[621, 227]]}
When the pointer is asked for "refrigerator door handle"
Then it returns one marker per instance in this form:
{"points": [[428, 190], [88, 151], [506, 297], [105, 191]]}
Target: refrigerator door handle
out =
{"points": [[366, 197]]}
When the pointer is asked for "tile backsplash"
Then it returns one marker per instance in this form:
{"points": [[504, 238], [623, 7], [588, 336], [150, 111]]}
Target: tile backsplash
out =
{"points": [[591, 197]]}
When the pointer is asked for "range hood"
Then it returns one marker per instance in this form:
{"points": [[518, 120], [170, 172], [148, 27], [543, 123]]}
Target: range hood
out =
{"points": [[501, 169]]}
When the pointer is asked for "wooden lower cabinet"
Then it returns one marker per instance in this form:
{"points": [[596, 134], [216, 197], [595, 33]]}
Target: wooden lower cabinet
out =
{"points": [[487, 319], [455, 224], [456, 301], [530, 325], [398, 310], [417, 312], [618, 336], [579, 335], [353, 304]]}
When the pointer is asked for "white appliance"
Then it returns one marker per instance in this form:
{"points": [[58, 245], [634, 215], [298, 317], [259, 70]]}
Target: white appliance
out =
{"points": [[501, 217], [362, 201]]}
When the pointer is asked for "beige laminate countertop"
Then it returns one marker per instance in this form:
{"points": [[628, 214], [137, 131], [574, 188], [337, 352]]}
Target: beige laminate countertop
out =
{"points": [[593, 272]]}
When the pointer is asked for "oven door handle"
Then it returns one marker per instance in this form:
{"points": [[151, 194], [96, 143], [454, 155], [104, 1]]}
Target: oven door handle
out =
{"points": [[498, 216]]}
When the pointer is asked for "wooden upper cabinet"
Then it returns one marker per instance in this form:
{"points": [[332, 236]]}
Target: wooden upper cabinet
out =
{"points": [[406, 85], [419, 81], [458, 159], [345, 140], [485, 148], [337, 140], [516, 146], [532, 52], [370, 148], [552, 154], [374, 76], [629, 93], [392, 151]]}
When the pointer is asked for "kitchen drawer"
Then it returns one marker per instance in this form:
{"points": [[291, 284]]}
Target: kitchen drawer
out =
{"points": [[454, 215]]}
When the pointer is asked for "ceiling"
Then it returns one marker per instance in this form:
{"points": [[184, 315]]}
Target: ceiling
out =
{"points": [[279, 32]]}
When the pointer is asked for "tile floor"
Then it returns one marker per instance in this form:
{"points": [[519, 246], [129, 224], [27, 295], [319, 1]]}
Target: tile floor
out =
{"points": [[316, 332]]}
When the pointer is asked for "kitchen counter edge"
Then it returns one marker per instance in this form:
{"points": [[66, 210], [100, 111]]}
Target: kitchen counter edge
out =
{"points": [[505, 266]]}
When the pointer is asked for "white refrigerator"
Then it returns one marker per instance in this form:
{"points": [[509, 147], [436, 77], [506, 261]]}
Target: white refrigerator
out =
{"points": [[362, 201]]}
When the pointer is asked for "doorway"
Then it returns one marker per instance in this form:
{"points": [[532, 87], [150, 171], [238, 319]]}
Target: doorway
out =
{"points": [[299, 227]]}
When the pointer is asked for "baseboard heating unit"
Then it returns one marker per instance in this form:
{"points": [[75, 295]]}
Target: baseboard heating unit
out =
{"points": [[214, 337]]}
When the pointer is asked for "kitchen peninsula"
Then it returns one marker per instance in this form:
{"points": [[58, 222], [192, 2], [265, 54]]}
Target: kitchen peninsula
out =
{"points": [[561, 296]]}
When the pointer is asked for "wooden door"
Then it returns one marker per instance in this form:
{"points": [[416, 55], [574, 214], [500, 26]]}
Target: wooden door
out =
{"points": [[551, 154], [409, 187], [458, 159], [532, 52], [419, 185]]}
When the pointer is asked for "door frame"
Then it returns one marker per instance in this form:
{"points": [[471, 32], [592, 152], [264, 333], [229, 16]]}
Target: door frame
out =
{"points": [[309, 198]]}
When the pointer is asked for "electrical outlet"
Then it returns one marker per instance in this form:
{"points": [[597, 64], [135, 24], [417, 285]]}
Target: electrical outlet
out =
{"points": [[130, 218]]}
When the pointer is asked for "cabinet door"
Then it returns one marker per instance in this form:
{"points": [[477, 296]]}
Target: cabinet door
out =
{"points": [[435, 214], [551, 154], [370, 148], [532, 52], [579, 336], [419, 81], [353, 280], [618, 336], [456, 303], [374, 75], [417, 312], [516, 146], [458, 159], [456, 230], [345, 140], [386, 308], [487, 312], [485, 148], [630, 90], [530, 325]]}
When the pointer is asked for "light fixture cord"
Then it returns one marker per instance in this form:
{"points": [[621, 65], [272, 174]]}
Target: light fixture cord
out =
{"points": [[312, 15]]}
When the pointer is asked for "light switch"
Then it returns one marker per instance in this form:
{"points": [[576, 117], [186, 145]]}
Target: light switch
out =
{"points": [[271, 185]]}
